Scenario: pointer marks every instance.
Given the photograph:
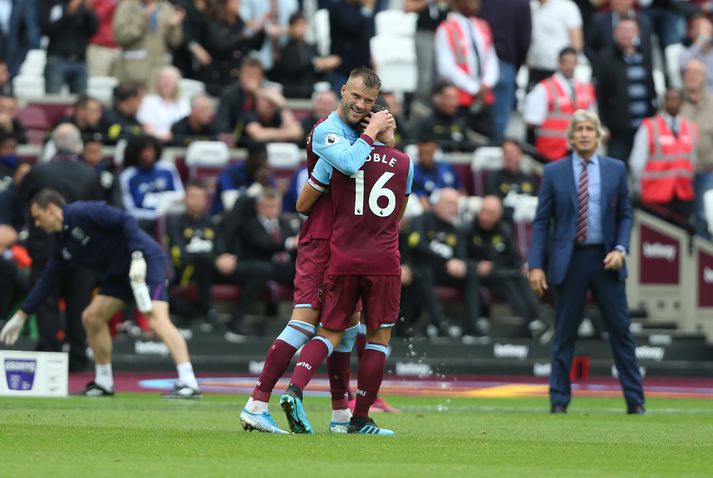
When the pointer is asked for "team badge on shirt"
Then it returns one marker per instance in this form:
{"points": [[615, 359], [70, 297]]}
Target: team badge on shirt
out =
{"points": [[331, 139]]}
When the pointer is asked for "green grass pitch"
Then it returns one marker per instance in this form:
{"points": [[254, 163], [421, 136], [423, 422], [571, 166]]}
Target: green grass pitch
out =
{"points": [[136, 435]]}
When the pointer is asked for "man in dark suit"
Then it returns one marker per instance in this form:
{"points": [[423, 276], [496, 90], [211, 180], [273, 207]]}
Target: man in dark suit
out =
{"points": [[586, 199], [600, 33]]}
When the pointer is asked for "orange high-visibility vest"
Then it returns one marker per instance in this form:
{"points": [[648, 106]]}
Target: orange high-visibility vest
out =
{"points": [[460, 44], [668, 173], [551, 136]]}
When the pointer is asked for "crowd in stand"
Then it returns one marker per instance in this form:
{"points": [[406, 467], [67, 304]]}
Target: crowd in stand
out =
{"points": [[254, 56]]}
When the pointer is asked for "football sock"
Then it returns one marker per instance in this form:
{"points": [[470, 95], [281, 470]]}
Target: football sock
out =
{"points": [[360, 343], [294, 335], [186, 375], [338, 367], [103, 376], [256, 406], [371, 373], [341, 416], [311, 357]]}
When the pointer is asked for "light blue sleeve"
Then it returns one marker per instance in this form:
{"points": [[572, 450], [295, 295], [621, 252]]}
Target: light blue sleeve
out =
{"points": [[322, 171], [409, 181], [329, 143]]}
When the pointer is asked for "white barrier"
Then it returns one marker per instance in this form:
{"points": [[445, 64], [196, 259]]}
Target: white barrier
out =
{"points": [[33, 374]]}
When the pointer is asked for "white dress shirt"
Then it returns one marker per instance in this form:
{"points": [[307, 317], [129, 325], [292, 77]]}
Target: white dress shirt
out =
{"points": [[446, 58]]}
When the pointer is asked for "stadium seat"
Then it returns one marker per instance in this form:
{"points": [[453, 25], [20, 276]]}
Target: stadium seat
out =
{"points": [[673, 66], [283, 155], [485, 159], [206, 158], [29, 86], [102, 88], [190, 88], [35, 122], [395, 22], [395, 62], [34, 64], [322, 34]]}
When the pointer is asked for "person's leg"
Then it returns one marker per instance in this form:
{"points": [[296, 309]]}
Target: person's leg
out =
{"points": [[9, 280], [339, 370], [704, 183], [425, 283], [78, 286], [77, 77], [54, 74], [371, 370], [610, 294], [95, 319], [425, 64], [504, 100], [252, 276], [471, 296]]}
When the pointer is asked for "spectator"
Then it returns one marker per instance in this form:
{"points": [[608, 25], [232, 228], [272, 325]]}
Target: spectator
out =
{"points": [[147, 31], [432, 172], [351, 26], [511, 24], [447, 127], [250, 275], [5, 83], [238, 178], [191, 55], [8, 159], [159, 111], [120, 121], [18, 34], [323, 103], [511, 179], [665, 19], [471, 65], [199, 125], [75, 181], [103, 53], [8, 119], [86, 115], [272, 120], [491, 246], [273, 17], [556, 24], [194, 239], [430, 14], [394, 103], [663, 157], [271, 238], [93, 155], [228, 42], [700, 33], [239, 98], [625, 88], [13, 255], [145, 178], [298, 66], [698, 108], [69, 24], [438, 252], [550, 105], [601, 32], [297, 182]]}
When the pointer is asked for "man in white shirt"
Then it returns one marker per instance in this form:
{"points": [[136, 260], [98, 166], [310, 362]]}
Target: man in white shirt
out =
{"points": [[465, 56], [556, 24], [551, 104]]}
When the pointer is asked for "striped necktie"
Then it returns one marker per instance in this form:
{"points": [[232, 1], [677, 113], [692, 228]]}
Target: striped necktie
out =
{"points": [[583, 201]]}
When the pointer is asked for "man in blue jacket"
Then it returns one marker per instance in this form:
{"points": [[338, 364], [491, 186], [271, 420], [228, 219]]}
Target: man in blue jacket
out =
{"points": [[109, 242], [585, 198]]}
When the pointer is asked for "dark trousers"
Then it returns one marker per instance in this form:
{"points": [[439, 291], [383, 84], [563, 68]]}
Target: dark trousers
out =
{"points": [[426, 278], [252, 277], [620, 145], [75, 286], [479, 120], [9, 279], [516, 291], [586, 272]]}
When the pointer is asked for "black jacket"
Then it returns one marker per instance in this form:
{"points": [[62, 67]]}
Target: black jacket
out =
{"points": [[600, 34], [258, 244], [496, 245], [188, 237], [432, 242], [69, 34], [613, 89], [351, 31]]}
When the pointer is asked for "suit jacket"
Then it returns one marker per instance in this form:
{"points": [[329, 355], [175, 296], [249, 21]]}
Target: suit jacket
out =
{"points": [[23, 35], [258, 244], [558, 208]]}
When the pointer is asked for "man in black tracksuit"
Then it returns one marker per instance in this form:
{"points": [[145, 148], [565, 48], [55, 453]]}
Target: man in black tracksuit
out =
{"points": [[439, 258]]}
